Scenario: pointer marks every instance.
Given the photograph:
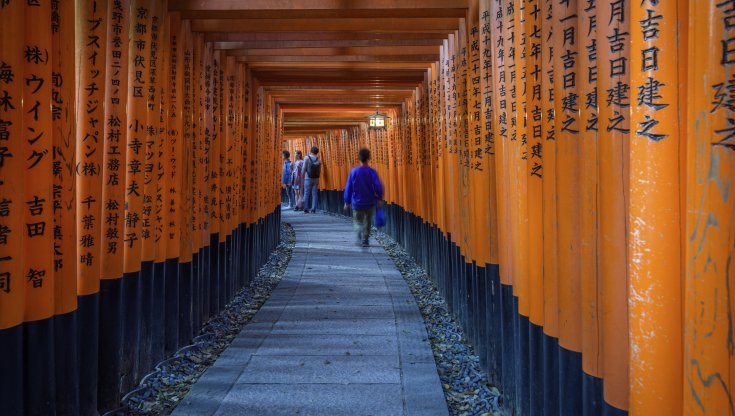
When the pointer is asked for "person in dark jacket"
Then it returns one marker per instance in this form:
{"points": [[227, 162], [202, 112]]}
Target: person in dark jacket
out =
{"points": [[287, 178], [312, 171], [363, 192]]}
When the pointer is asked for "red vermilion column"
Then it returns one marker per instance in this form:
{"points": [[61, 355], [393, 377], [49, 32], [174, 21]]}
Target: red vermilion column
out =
{"points": [[709, 368], [654, 222], [613, 75], [35, 201], [588, 127]]}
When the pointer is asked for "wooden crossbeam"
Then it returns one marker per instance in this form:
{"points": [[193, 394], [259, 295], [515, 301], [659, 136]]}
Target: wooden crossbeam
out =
{"points": [[360, 50], [342, 58], [436, 25], [309, 36]]}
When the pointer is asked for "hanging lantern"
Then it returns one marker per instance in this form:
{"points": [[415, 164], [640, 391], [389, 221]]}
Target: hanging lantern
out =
{"points": [[378, 121]]}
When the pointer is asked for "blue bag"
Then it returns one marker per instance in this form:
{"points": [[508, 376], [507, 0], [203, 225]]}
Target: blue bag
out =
{"points": [[379, 218]]}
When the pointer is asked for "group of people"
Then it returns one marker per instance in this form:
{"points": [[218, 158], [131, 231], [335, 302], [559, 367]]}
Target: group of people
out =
{"points": [[363, 190], [301, 179]]}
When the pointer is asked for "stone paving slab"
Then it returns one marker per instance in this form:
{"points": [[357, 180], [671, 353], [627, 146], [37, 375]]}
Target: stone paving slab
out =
{"points": [[337, 326], [340, 335], [315, 400]]}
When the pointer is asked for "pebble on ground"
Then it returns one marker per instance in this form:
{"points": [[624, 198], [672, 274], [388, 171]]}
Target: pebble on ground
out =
{"points": [[466, 386], [161, 390]]}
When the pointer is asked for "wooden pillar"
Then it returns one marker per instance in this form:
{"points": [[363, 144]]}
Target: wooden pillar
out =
{"points": [[613, 74], [518, 155], [534, 173], [550, 225], [708, 297], [106, 392], [140, 25], [12, 226], [654, 219], [63, 115], [590, 284], [36, 203], [89, 148]]}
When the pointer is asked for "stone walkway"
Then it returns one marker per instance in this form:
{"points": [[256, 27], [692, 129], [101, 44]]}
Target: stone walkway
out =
{"points": [[341, 335]]}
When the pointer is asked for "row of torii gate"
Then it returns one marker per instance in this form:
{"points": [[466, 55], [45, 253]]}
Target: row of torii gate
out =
{"points": [[562, 168]]}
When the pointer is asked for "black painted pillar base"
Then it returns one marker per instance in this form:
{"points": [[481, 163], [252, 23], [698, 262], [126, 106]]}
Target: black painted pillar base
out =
{"points": [[111, 343], [11, 371], [88, 315]]}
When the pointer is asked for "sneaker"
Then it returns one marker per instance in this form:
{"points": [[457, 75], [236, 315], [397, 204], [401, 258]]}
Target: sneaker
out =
{"points": [[306, 211], [365, 243]]}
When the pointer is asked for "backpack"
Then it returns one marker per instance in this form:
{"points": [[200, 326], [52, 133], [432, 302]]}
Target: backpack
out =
{"points": [[314, 168]]}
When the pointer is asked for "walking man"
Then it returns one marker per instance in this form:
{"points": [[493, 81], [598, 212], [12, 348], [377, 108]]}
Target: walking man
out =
{"points": [[312, 171], [287, 178], [363, 193]]}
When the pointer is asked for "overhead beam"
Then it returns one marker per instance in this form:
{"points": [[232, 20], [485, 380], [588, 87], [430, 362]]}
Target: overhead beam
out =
{"points": [[342, 58], [316, 44], [323, 14], [316, 108], [438, 25], [377, 103], [318, 36], [308, 9], [361, 50], [201, 5], [397, 67]]}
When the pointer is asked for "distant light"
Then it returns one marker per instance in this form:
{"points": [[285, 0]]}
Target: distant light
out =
{"points": [[377, 121]]}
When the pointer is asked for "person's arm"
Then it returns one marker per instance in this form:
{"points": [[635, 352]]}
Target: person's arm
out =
{"points": [[378, 186], [348, 191]]}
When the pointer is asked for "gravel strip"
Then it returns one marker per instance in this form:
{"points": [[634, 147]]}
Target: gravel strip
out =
{"points": [[161, 390], [466, 386]]}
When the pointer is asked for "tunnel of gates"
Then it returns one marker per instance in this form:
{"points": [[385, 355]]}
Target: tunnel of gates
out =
{"points": [[136, 196], [564, 172]]}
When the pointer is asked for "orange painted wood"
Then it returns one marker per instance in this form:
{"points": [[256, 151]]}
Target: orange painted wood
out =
{"points": [[63, 115], [548, 128], [89, 143], [12, 225], [163, 187], [710, 230], [534, 159], [612, 151], [501, 125], [35, 199], [488, 131], [137, 133], [654, 223], [566, 76], [187, 134], [476, 159], [588, 126], [518, 157], [173, 150], [115, 142], [153, 169]]}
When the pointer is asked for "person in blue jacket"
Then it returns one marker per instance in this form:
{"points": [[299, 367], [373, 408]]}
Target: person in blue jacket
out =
{"points": [[363, 192], [287, 179]]}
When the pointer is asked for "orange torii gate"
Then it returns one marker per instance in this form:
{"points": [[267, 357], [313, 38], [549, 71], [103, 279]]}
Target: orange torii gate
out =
{"points": [[562, 169]]}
